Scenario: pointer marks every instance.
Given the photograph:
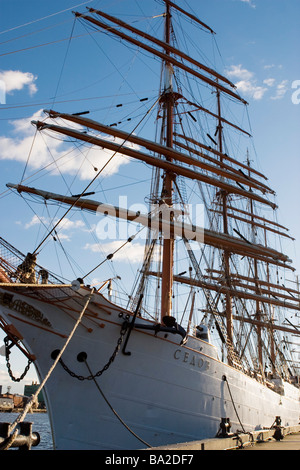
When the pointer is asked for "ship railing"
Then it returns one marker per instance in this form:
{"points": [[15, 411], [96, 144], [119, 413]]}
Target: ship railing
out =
{"points": [[17, 267]]}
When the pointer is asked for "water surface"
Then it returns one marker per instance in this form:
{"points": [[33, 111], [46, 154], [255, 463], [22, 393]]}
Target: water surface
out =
{"points": [[41, 425]]}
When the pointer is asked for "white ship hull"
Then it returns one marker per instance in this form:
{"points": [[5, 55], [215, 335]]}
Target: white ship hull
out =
{"points": [[163, 391]]}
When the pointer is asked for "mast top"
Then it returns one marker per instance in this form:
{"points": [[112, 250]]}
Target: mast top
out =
{"points": [[189, 15]]}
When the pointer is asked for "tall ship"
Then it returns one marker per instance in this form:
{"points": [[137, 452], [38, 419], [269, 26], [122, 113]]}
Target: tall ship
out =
{"points": [[207, 330]]}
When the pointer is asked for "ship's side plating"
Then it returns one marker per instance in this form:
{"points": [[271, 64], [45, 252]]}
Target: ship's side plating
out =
{"points": [[155, 391]]}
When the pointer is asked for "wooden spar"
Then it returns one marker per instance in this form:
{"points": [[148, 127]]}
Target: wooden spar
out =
{"points": [[207, 157], [154, 161], [180, 229], [270, 325], [223, 165], [231, 243], [165, 150], [257, 281], [258, 289], [189, 15], [223, 289], [255, 224], [268, 292], [162, 56], [168, 183], [216, 152], [223, 120], [258, 217], [166, 46]]}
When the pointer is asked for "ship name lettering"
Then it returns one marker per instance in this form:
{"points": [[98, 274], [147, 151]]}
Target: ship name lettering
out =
{"points": [[24, 309], [191, 359]]}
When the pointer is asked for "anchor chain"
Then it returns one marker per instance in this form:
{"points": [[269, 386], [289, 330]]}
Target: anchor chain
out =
{"points": [[82, 356], [7, 353]]}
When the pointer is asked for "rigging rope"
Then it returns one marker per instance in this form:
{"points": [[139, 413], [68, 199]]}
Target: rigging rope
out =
{"points": [[29, 155], [21, 417], [45, 17], [225, 380], [113, 410], [65, 58], [97, 175]]}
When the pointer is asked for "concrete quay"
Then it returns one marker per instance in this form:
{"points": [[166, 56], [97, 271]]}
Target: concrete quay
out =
{"points": [[290, 442], [256, 440]]}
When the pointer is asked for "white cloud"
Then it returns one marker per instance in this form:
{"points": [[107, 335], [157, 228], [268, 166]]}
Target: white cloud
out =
{"points": [[34, 221], [272, 66], [270, 81], [66, 225], [247, 83], [132, 252], [17, 80], [281, 90], [250, 88], [249, 3], [53, 150], [236, 71], [18, 146]]}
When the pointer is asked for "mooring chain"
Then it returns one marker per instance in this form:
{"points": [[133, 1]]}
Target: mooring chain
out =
{"points": [[7, 353], [82, 356]]}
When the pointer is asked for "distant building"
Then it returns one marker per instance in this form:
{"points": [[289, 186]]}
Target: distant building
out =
{"points": [[6, 403], [20, 401], [30, 390]]}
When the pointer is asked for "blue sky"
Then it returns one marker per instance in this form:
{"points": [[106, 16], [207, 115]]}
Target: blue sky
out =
{"points": [[259, 45]]}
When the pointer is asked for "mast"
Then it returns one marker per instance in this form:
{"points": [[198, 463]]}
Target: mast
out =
{"points": [[168, 242], [226, 253], [181, 155], [271, 331], [257, 303]]}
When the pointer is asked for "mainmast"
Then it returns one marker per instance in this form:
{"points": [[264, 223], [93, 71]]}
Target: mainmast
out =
{"points": [[257, 303], [226, 253], [167, 192]]}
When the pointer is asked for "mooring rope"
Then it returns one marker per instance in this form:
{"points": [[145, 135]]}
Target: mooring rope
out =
{"points": [[113, 410], [21, 417], [224, 378]]}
